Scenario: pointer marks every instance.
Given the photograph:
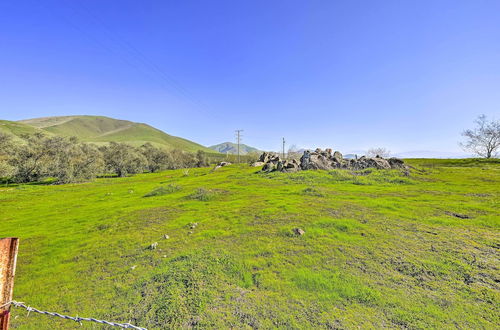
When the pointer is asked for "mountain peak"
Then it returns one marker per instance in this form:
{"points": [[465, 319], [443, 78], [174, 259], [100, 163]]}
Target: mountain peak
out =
{"points": [[232, 148]]}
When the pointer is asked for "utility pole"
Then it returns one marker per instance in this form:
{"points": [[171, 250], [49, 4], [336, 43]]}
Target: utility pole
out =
{"points": [[8, 258], [283, 148], [238, 138]]}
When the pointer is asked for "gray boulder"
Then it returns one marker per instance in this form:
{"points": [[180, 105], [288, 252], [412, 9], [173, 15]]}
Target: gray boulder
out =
{"points": [[258, 164]]}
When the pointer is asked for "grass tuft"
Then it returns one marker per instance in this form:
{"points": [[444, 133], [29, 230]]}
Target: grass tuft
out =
{"points": [[163, 190], [204, 195]]}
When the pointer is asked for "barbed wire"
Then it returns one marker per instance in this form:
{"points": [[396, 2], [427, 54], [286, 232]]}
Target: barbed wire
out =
{"points": [[73, 318]]}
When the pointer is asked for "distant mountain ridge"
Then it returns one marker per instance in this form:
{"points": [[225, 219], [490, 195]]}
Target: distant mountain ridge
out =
{"points": [[100, 130], [232, 148]]}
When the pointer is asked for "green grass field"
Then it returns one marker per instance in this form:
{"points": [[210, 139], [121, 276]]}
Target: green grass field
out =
{"points": [[380, 249]]}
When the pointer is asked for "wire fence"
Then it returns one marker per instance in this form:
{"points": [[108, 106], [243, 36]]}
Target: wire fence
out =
{"points": [[73, 318]]}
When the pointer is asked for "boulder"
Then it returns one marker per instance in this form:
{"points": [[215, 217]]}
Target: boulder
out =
{"points": [[269, 167], [266, 157], [279, 166], [397, 163], [338, 157], [379, 163], [221, 164], [258, 164], [291, 166]]}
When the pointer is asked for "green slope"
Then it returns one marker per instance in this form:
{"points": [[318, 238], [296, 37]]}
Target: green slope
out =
{"points": [[100, 129], [17, 129]]}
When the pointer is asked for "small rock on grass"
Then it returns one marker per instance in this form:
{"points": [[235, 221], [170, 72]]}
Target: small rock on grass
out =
{"points": [[166, 236], [299, 231]]}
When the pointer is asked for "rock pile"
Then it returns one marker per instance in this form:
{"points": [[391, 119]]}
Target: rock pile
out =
{"points": [[326, 160], [273, 162]]}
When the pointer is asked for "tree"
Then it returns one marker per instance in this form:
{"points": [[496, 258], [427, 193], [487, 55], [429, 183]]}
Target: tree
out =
{"points": [[378, 152], [484, 139], [63, 159], [31, 161], [181, 159], [157, 159], [294, 152], [72, 161], [201, 159], [6, 152], [123, 159]]}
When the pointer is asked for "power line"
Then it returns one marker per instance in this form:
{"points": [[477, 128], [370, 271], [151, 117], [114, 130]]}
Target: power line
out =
{"points": [[238, 139], [141, 56], [142, 61]]}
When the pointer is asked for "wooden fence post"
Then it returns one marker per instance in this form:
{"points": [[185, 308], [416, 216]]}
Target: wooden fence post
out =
{"points": [[8, 258]]}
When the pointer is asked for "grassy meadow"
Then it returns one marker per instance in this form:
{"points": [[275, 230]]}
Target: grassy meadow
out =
{"points": [[380, 249]]}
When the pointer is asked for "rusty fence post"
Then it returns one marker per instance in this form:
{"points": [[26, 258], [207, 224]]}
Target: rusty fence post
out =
{"points": [[8, 258]]}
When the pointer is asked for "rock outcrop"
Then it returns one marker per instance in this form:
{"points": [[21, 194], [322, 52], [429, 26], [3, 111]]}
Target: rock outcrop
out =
{"points": [[326, 160], [273, 162]]}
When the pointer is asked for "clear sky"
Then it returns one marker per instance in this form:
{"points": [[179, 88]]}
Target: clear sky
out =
{"points": [[406, 75]]}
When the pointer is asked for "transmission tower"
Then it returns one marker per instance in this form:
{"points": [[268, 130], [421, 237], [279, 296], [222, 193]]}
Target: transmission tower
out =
{"points": [[238, 140], [283, 148]]}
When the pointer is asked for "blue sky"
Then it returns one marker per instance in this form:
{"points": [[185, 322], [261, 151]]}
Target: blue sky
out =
{"points": [[406, 75]]}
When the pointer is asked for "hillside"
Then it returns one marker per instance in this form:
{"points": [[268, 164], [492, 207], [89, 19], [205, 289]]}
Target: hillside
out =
{"points": [[100, 129], [380, 249], [16, 129], [232, 148]]}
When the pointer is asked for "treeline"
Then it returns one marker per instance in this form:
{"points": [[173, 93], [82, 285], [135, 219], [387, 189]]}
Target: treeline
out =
{"points": [[39, 157]]}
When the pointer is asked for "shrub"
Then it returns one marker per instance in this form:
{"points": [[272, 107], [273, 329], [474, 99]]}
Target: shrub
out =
{"points": [[203, 194], [164, 190], [310, 191]]}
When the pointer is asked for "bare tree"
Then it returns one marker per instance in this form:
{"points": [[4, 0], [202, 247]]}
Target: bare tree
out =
{"points": [[378, 152], [484, 139], [293, 152]]}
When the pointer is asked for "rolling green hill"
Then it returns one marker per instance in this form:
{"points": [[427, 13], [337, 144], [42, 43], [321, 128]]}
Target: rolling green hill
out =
{"points": [[100, 130], [17, 129], [381, 249], [232, 148]]}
